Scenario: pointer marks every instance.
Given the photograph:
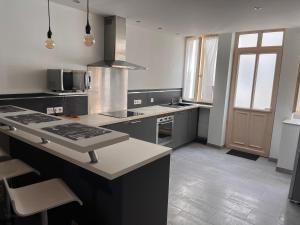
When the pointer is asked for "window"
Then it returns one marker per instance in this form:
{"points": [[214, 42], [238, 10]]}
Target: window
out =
{"points": [[245, 77], [260, 39], [248, 40], [257, 56], [200, 68], [264, 81], [191, 67], [297, 95], [272, 39]]}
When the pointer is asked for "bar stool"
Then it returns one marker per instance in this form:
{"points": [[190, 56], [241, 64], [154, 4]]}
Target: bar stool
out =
{"points": [[40, 197], [3, 155], [10, 169], [13, 168]]}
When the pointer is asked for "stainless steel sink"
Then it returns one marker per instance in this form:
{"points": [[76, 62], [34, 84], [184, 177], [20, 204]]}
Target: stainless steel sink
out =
{"points": [[177, 105]]}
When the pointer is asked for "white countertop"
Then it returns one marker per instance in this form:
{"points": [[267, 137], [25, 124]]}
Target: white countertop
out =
{"points": [[81, 144], [292, 121], [114, 160], [101, 120]]}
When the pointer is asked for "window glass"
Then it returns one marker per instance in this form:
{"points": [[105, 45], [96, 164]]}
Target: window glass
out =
{"points": [[297, 100], [297, 109], [248, 40], [272, 39], [244, 84], [210, 51], [190, 71], [264, 81]]}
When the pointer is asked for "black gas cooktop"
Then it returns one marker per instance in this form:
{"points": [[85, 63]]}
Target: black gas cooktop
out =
{"points": [[32, 118], [76, 131], [122, 114], [10, 109]]}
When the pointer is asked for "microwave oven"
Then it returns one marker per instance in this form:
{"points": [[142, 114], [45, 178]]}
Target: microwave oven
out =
{"points": [[62, 80]]}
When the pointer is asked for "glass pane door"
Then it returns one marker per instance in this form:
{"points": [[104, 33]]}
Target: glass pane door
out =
{"points": [[245, 77], [264, 81]]}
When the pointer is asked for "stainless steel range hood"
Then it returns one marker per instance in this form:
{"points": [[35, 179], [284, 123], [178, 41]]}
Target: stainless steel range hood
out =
{"points": [[115, 45]]}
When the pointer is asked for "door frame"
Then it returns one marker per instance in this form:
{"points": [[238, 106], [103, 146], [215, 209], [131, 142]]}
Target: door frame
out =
{"points": [[233, 82]]}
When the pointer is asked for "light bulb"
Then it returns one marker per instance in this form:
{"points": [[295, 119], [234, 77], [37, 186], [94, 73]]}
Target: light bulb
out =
{"points": [[49, 43], [89, 40]]}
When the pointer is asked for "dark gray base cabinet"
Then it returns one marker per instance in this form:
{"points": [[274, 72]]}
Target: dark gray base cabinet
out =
{"points": [[139, 197], [185, 127], [142, 129]]}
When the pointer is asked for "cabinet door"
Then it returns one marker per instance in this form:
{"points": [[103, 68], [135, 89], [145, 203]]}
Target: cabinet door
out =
{"points": [[144, 129], [121, 127], [193, 124], [181, 135]]}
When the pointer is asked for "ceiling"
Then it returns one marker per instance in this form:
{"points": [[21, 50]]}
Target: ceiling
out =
{"points": [[193, 17]]}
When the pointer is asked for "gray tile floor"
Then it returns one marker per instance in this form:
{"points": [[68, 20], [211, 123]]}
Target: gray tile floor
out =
{"points": [[210, 187]]}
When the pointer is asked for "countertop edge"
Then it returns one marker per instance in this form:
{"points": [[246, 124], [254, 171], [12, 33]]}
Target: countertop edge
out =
{"points": [[31, 141], [169, 110], [295, 122]]}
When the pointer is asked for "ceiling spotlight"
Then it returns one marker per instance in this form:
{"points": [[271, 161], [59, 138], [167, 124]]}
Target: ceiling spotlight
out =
{"points": [[257, 8], [159, 28]]}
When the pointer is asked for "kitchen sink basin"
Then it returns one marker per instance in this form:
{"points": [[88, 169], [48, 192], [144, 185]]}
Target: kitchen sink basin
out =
{"points": [[177, 105]]}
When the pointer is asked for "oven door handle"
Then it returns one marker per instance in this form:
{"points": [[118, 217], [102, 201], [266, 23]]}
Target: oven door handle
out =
{"points": [[135, 122], [171, 121]]}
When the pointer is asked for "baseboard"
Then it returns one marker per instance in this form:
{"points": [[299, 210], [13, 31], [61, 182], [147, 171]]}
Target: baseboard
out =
{"points": [[273, 159], [215, 146], [202, 140], [283, 170]]}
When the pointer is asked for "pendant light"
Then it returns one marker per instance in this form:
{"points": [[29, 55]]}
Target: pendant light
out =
{"points": [[49, 43], [89, 39]]}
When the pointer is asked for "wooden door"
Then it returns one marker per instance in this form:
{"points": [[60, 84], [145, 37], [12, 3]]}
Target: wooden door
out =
{"points": [[253, 95]]}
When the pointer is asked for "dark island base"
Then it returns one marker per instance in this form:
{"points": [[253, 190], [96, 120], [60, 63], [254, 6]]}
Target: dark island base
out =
{"points": [[137, 198]]}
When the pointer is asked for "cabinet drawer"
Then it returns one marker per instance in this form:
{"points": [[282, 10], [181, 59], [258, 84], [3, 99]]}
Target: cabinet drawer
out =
{"points": [[143, 129]]}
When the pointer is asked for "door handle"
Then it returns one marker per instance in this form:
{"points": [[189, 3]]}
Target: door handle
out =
{"points": [[135, 122]]}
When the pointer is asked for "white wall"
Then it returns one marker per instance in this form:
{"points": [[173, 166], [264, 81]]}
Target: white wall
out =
{"points": [[218, 114], [287, 86], [23, 57], [160, 52]]}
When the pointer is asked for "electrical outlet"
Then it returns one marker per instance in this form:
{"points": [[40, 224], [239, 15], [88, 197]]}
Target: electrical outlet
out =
{"points": [[137, 101], [151, 100], [58, 110], [50, 111]]}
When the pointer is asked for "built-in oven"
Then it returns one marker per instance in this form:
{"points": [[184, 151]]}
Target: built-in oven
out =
{"points": [[165, 130]]}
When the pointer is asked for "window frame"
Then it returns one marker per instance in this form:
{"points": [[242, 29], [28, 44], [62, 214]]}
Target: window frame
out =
{"points": [[200, 68], [297, 93], [258, 49], [259, 40], [197, 66]]}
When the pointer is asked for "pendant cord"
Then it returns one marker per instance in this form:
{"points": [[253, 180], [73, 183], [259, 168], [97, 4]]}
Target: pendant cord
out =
{"points": [[88, 11], [87, 27], [49, 18]]}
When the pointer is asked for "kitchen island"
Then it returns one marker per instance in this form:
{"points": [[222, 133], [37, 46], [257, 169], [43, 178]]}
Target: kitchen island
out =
{"points": [[127, 186]]}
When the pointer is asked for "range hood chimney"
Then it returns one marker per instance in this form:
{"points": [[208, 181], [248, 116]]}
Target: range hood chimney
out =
{"points": [[115, 45]]}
